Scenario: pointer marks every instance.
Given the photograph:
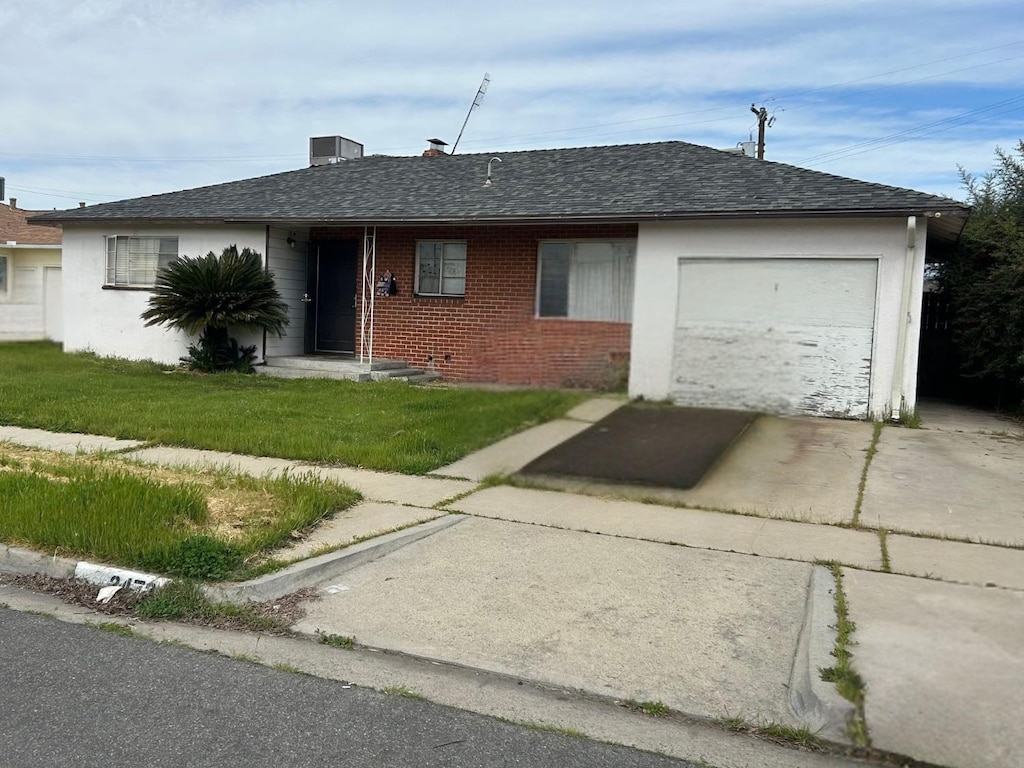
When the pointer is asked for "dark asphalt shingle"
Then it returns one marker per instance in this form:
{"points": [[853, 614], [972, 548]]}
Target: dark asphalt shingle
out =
{"points": [[667, 179]]}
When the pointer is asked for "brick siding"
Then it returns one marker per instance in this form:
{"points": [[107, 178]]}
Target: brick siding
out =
{"points": [[492, 334]]}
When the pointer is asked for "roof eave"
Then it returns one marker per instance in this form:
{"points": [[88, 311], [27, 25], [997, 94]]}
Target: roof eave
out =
{"points": [[953, 209]]}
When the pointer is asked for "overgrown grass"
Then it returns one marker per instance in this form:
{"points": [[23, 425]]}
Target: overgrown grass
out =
{"points": [[385, 425], [110, 515], [105, 510]]}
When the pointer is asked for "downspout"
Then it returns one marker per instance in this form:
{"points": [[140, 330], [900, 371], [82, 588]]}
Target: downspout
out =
{"points": [[897, 399]]}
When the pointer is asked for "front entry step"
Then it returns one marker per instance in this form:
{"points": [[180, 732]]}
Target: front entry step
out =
{"points": [[411, 375], [346, 368]]}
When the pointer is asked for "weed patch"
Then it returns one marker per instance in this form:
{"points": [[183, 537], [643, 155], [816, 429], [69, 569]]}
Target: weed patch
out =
{"points": [[870, 454], [883, 543], [776, 732], [534, 725], [405, 693], [336, 641], [848, 682], [185, 601], [649, 708], [112, 626]]}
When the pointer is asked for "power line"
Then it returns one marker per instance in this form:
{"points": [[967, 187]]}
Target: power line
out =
{"points": [[920, 130], [576, 129], [903, 69]]}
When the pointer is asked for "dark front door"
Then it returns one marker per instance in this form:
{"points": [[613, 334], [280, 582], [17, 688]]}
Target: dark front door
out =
{"points": [[331, 277]]}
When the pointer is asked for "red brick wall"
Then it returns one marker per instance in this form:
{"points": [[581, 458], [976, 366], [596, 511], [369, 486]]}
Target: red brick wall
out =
{"points": [[491, 335]]}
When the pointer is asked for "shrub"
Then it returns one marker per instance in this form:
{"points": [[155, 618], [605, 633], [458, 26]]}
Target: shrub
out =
{"points": [[209, 294]]}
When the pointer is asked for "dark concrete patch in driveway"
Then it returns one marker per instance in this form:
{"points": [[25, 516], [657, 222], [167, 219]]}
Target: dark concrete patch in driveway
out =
{"points": [[652, 445]]}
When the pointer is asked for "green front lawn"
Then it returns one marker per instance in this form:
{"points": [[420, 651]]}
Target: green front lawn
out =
{"points": [[203, 524], [387, 426]]}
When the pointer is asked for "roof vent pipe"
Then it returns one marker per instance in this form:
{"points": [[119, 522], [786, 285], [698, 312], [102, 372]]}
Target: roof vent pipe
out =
{"points": [[14, 203], [489, 162]]}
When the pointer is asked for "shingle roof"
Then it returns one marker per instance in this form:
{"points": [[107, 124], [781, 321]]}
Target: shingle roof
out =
{"points": [[14, 226], [638, 181]]}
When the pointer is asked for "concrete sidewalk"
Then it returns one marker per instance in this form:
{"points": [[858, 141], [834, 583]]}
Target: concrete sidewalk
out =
{"points": [[712, 614]]}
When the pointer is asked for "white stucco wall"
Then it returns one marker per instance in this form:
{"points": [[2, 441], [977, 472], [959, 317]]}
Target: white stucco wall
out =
{"points": [[288, 264], [661, 246], [107, 320], [22, 304]]}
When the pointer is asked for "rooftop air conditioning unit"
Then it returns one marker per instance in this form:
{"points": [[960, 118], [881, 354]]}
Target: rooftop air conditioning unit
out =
{"points": [[324, 150]]}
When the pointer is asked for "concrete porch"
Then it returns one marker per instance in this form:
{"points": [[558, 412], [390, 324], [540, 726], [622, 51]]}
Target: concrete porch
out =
{"points": [[339, 366]]}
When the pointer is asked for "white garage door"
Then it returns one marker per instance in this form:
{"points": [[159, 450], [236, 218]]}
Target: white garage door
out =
{"points": [[775, 335]]}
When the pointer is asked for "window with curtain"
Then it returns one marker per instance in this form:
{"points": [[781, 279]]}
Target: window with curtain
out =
{"points": [[134, 261], [441, 268], [3, 277], [586, 280]]}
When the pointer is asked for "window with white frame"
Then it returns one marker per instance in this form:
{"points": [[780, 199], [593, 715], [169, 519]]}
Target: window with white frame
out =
{"points": [[441, 268], [3, 277], [134, 261], [586, 280]]}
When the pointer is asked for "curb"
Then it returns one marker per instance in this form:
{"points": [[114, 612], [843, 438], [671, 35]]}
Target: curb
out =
{"points": [[811, 698], [305, 573], [318, 570], [26, 562]]}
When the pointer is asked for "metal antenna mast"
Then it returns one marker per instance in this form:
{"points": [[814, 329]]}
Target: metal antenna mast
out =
{"points": [[476, 103]]}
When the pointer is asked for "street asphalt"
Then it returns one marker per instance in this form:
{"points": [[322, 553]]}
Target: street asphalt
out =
{"points": [[75, 695], [586, 590]]}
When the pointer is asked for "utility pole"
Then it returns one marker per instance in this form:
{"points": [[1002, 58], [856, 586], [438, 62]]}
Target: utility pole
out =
{"points": [[763, 121]]}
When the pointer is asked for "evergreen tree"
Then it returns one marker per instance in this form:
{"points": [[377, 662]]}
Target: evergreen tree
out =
{"points": [[985, 279]]}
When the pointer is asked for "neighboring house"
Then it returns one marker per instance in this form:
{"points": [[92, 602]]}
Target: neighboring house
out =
{"points": [[701, 276], [30, 277]]}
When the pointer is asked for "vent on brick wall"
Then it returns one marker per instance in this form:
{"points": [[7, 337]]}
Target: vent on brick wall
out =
{"points": [[324, 150]]}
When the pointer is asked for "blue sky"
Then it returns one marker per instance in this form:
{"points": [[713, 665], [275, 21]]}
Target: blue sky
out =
{"points": [[108, 99]]}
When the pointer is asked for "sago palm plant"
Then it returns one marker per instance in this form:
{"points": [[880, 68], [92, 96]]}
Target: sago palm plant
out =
{"points": [[208, 295]]}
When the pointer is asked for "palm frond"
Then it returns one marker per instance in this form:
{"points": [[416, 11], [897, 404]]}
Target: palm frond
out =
{"points": [[229, 290]]}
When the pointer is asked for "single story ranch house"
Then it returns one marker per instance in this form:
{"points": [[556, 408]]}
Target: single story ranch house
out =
{"points": [[700, 276]]}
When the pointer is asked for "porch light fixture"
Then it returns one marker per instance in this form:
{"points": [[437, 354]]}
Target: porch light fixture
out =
{"points": [[291, 240]]}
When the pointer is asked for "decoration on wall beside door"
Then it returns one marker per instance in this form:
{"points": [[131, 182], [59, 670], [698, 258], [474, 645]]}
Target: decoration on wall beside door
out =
{"points": [[386, 285]]}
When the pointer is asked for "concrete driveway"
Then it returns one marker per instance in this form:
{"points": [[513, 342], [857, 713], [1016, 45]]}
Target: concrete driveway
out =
{"points": [[960, 476], [803, 469], [703, 611]]}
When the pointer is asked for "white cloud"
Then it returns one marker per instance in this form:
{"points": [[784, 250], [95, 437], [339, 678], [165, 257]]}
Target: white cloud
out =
{"points": [[171, 94]]}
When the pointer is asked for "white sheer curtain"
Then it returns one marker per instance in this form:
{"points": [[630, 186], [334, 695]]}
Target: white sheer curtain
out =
{"points": [[601, 282]]}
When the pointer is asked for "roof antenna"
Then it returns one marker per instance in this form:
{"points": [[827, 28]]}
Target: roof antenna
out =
{"points": [[476, 103]]}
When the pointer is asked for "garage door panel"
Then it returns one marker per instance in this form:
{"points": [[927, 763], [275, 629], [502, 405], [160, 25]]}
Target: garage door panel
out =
{"points": [[776, 335], [782, 370], [788, 291]]}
